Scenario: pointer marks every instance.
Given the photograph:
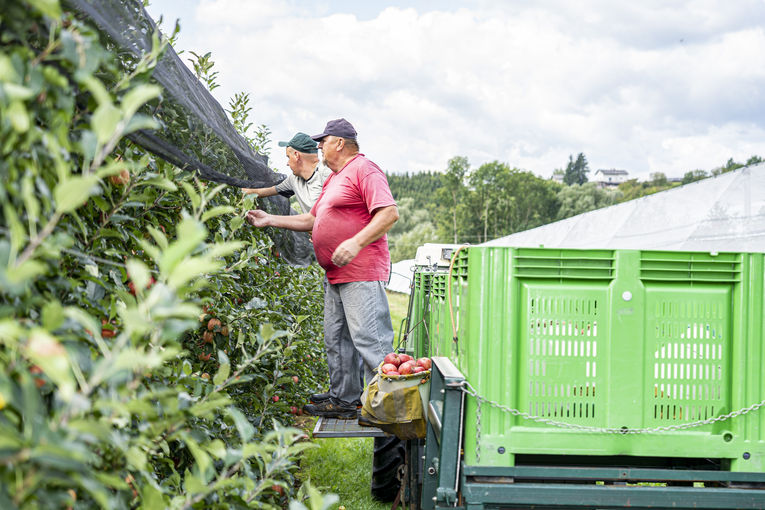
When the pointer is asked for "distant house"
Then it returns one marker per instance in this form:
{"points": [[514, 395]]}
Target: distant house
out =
{"points": [[610, 178]]}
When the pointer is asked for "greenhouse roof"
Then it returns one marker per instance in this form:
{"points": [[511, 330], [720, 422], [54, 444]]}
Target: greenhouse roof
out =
{"points": [[723, 213]]}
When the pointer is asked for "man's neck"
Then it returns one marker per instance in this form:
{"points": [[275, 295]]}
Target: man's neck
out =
{"points": [[307, 171], [345, 160]]}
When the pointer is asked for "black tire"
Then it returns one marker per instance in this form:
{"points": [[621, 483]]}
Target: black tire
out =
{"points": [[389, 455]]}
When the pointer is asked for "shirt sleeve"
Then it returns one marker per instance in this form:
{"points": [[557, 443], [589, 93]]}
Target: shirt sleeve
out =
{"points": [[286, 188], [374, 188]]}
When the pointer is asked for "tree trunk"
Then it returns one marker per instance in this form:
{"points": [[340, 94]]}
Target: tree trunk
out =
{"points": [[454, 216]]}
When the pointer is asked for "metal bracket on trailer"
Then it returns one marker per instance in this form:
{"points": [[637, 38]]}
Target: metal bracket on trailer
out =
{"points": [[442, 459]]}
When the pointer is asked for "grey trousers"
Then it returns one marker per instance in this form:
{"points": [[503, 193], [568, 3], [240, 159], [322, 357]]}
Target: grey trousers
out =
{"points": [[356, 324]]}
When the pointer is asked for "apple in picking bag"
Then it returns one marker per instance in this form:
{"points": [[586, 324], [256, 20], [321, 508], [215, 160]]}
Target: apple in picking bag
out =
{"points": [[392, 359], [407, 367], [424, 363]]}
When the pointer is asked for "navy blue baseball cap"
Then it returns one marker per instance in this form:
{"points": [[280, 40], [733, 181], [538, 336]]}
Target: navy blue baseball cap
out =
{"points": [[337, 127]]}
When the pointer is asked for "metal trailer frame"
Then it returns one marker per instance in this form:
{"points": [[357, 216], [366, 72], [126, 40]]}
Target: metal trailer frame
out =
{"points": [[440, 478]]}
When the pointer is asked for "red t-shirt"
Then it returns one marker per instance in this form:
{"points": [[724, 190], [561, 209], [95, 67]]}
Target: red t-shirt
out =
{"points": [[345, 206]]}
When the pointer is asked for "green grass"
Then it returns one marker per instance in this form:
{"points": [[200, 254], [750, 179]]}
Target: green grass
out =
{"points": [[343, 466], [398, 304]]}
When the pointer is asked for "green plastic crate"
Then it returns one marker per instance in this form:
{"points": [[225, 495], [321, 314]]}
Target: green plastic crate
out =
{"points": [[605, 339]]}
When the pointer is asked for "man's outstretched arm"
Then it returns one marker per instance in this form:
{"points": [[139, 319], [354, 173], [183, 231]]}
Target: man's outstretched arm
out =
{"points": [[299, 222], [261, 192]]}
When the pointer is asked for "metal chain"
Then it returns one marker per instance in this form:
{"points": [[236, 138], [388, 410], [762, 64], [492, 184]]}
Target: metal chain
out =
{"points": [[477, 424], [468, 389]]}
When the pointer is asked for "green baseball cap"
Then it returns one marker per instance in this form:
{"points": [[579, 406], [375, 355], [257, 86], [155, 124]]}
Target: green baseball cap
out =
{"points": [[301, 142]]}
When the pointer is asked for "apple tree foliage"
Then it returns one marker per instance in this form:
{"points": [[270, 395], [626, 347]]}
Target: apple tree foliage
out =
{"points": [[153, 347]]}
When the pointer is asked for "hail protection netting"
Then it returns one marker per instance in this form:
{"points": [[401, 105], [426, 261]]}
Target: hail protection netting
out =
{"points": [[195, 131]]}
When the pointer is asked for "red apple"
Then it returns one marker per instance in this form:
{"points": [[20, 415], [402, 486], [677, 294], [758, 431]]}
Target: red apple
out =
{"points": [[389, 367], [406, 368], [424, 363], [417, 369], [405, 357], [393, 372], [393, 359]]}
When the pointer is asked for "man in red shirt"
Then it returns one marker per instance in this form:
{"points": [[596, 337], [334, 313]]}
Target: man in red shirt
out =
{"points": [[349, 221]]}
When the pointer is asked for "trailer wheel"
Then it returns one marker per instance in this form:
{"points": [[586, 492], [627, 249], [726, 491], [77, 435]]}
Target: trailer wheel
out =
{"points": [[389, 455]]}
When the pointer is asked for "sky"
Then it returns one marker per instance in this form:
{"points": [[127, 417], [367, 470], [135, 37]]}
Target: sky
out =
{"points": [[652, 86]]}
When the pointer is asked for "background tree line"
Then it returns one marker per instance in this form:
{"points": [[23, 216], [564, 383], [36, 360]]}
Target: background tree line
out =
{"points": [[463, 204]]}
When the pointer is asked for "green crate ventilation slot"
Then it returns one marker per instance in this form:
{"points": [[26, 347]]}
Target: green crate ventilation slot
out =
{"points": [[424, 281], [439, 286], [562, 358], [690, 267], [460, 269], [689, 359], [564, 264]]}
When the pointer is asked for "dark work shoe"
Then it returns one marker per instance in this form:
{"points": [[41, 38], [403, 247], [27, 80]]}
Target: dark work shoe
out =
{"points": [[364, 422], [332, 408], [319, 397]]}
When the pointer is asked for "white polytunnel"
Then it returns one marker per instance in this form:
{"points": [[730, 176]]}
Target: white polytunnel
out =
{"points": [[722, 213]]}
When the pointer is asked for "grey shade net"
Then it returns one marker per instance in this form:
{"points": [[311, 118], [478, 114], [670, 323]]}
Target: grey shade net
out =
{"points": [[195, 132]]}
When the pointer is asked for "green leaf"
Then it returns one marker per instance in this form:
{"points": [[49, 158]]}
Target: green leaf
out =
{"points": [[196, 200], [159, 182], [203, 460], [113, 168], [136, 98], [136, 458], [193, 484], [96, 88], [73, 192], [245, 428], [104, 122], [224, 249], [17, 113], [16, 92], [28, 270], [190, 234], [17, 230], [138, 122], [49, 8], [159, 237], [151, 497], [223, 372], [236, 223], [217, 448], [45, 350], [217, 211], [190, 269], [139, 274], [10, 331], [52, 315], [210, 406]]}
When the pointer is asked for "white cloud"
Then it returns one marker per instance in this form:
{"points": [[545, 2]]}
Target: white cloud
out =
{"points": [[242, 14], [649, 86]]}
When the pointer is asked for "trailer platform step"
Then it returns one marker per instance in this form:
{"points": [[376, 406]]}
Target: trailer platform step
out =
{"points": [[334, 427]]}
